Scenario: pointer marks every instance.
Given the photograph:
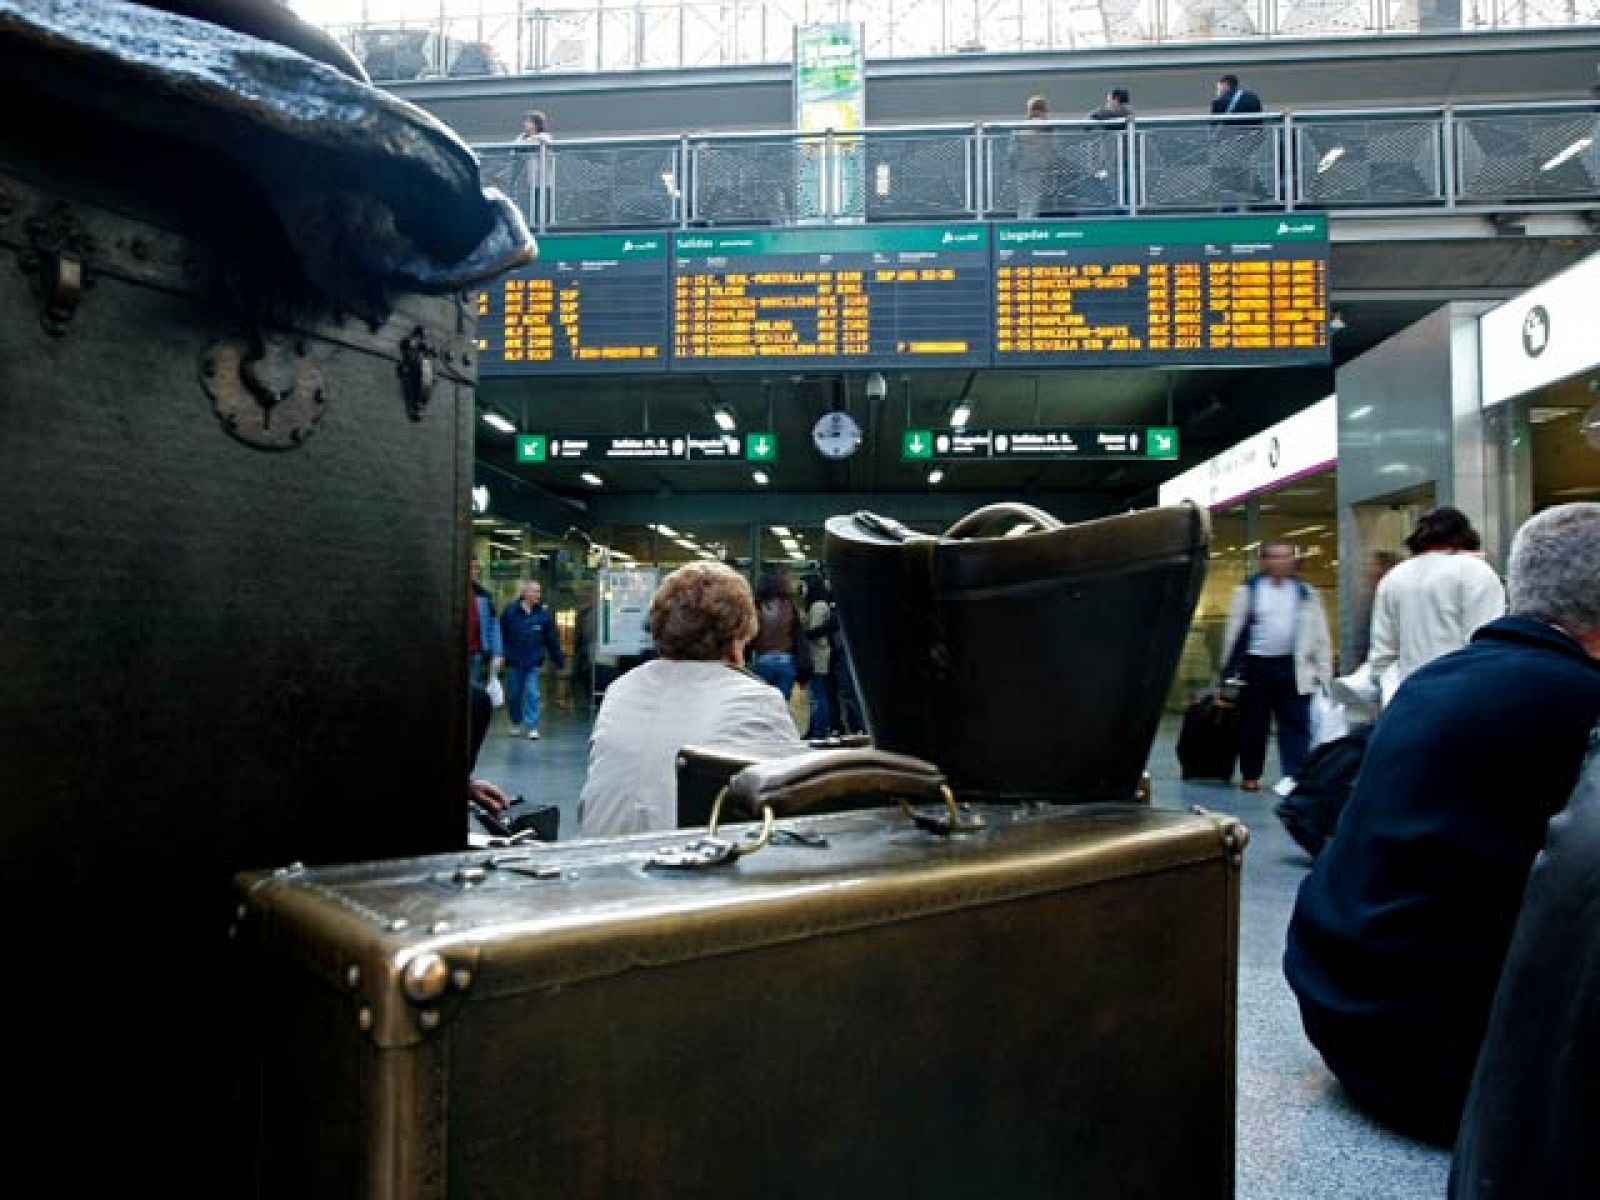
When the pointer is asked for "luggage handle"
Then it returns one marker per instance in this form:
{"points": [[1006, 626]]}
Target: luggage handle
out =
{"points": [[787, 786], [982, 518]]}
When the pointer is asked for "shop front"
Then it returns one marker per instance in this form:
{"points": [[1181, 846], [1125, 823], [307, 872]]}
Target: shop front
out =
{"points": [[1278, 486]]}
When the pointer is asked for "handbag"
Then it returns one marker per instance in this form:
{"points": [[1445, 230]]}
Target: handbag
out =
{"points": [[1032, 665]]}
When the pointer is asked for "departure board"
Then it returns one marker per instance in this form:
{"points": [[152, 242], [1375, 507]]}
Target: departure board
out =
{"points": [[591, 303], [1154, 291], [894, 296]]}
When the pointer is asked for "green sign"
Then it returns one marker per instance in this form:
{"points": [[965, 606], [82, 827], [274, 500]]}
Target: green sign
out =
{"points": [[1160, 231], [761, 447], [1161, 441], [600, 247], [531, 447], [916, 445], [1082, 441], [833, 240]]}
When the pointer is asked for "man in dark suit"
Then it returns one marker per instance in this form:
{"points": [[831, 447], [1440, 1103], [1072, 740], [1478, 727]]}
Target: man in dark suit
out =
{"points": [[1232, 100], [1400, 930], [1240, 151]]}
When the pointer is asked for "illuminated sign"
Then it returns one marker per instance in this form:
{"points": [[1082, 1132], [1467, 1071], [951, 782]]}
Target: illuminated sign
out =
{"points": [[666, 448], [1155, 291], [831, 298], [591, 303], [1092, 441]]}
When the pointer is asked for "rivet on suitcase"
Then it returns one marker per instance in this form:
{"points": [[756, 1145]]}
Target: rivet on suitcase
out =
{"points": [[1043, 1007]]}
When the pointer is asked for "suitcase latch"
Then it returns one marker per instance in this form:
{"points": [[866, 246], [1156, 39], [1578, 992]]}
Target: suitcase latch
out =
{"points": [[417, 372], [697, 855], [55, 261]]}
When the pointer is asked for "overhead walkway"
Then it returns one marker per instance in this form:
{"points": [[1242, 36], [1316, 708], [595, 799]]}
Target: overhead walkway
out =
{"points": [[1496, 164]]}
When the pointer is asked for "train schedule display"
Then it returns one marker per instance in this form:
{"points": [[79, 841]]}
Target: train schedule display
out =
{"points": [[590, 303], [895, 296], [1154, 291]]}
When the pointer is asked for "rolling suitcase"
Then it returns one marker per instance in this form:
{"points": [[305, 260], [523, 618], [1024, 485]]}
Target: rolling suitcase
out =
{"points": [[871, 1005], [237, 388], [1208, 741]]}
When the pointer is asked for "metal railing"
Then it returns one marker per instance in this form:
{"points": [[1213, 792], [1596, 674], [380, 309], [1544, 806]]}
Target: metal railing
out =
{"points": [[414, 39], [1481, 158]]}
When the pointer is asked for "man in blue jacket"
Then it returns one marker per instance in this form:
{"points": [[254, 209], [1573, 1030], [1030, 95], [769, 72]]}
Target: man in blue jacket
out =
{"points": [[528, 631], [1401, 928]]}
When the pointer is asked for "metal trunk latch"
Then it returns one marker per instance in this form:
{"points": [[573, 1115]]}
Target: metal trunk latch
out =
{"points": [[266, 390], [54, 261], [417, 355]]}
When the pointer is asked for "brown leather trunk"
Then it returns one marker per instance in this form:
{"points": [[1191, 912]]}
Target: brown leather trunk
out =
{"points": [[1042, 1008]]}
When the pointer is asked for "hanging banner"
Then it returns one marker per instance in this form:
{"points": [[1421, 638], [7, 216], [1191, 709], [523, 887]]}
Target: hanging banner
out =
{"points": [[830, 94]]}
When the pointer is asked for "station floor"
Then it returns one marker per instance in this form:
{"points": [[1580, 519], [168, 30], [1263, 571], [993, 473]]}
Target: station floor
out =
{"points": [[1298, 1138]]}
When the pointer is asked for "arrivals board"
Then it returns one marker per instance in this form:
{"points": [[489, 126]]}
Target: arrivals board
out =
{"points": [[590, 303], [891, 296], [1157, 291]]}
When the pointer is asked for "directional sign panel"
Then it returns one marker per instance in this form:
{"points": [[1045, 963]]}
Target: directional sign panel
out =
{"points": [[665, 448], [591, 304], [1156, 291], [1106, 441], [890, 297]]}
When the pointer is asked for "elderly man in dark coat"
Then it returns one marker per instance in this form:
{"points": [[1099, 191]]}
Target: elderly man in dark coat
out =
{"points": [[1400, 930]]}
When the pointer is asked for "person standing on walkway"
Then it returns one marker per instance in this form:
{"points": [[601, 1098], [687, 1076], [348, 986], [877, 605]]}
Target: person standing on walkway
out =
{"points": [[484, 648], [820, 627], [772, 651], [1278, 643], [1032, 156], [1232, 100], [1433, 602], [528, 629], [537, 170], [1118, 106]]}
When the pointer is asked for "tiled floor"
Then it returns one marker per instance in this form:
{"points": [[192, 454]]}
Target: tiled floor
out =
{"points": [[1298, 1138]]}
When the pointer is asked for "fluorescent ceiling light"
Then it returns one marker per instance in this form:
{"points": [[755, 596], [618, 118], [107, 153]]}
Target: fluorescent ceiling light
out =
{"points": [[1364, 411], [936, 475], [495, 421], [1303, 532], [725, 419], [1327, 160], [483, 521], [592, 479], [761, 478], [961, 415], [1572, 151], [781, 530], [665, 530], [510, 532], [507, 549]]}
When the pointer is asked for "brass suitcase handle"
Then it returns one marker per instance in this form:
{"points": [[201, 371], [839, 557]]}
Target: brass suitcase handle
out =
{"points": [[981, 518], [792, 785]]}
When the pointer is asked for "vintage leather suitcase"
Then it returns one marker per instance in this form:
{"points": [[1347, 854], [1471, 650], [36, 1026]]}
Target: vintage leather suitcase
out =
{"points": [[1029, 667], [236, 388], [866, 1007]]}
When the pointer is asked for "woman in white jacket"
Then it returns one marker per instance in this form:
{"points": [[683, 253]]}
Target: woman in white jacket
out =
{"points": [[1433, 602], [695, 692]]}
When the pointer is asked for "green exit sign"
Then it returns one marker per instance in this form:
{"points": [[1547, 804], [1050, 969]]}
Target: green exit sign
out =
{"points": [[531, 447], [761, 447], [1160, 441], [916, 445]]}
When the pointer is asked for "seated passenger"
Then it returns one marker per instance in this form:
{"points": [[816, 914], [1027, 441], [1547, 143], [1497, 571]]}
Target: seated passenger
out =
{"points": [[696, 691], [1400, 930], [1529, 1125]]}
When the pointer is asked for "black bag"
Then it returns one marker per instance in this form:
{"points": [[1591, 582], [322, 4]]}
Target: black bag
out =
{"points": [[541, 821], [1321, 790], [1032, 665], [1208, 743]]}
